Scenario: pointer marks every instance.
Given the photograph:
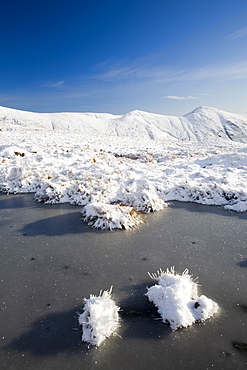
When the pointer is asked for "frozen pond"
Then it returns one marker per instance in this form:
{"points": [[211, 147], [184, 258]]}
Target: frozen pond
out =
{"points": [[50, 260]]}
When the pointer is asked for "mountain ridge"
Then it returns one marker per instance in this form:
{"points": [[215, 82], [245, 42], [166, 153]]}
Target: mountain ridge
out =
{"points": [[202, 123]]}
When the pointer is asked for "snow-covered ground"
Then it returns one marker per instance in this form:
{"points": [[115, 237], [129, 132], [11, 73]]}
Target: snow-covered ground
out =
{"points": [[117, 167]]}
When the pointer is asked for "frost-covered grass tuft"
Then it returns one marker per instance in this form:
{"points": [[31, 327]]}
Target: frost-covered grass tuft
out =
{"points": [[177, 300], [99, 319], [101, 215]]}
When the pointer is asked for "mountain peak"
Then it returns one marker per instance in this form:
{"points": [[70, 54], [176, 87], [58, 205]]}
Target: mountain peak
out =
{"points": [[202, 109]]}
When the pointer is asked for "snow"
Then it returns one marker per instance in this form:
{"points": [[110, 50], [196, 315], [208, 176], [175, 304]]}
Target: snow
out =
{"points": [[99, 319], [176, 298], [118, 167], [110, 216], [204, 123]]}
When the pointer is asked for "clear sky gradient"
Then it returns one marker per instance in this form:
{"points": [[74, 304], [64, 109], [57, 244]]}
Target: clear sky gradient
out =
{"points": [[161, 56]]}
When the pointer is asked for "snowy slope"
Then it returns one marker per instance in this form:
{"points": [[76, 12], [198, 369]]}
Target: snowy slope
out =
{"points": [[88, 123], [203, 123], [211, 123]]}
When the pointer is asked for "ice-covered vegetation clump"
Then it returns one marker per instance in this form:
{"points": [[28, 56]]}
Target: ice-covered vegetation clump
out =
{"points": [[99, 319], [176, 298], [110, 216]]}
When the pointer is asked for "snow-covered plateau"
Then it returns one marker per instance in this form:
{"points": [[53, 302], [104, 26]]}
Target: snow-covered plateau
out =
{"points": [[118, 167]]}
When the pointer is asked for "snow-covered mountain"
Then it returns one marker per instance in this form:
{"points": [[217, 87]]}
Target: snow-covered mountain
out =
{"points": [[204, 123]]}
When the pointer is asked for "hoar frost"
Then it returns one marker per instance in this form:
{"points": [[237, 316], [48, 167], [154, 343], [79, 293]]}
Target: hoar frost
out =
{"points": [[110, 216], [99, 319], [177, 300]]}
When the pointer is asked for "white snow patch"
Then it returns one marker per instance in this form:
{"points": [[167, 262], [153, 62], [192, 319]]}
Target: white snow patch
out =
{"points": [[176, 298], [99, 319]]}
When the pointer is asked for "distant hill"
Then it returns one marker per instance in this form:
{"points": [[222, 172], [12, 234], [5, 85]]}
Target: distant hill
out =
{"points": [[202, 124]]}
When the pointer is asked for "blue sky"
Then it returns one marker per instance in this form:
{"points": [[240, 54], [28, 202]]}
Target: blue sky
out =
{"points": [[115, 56]]}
